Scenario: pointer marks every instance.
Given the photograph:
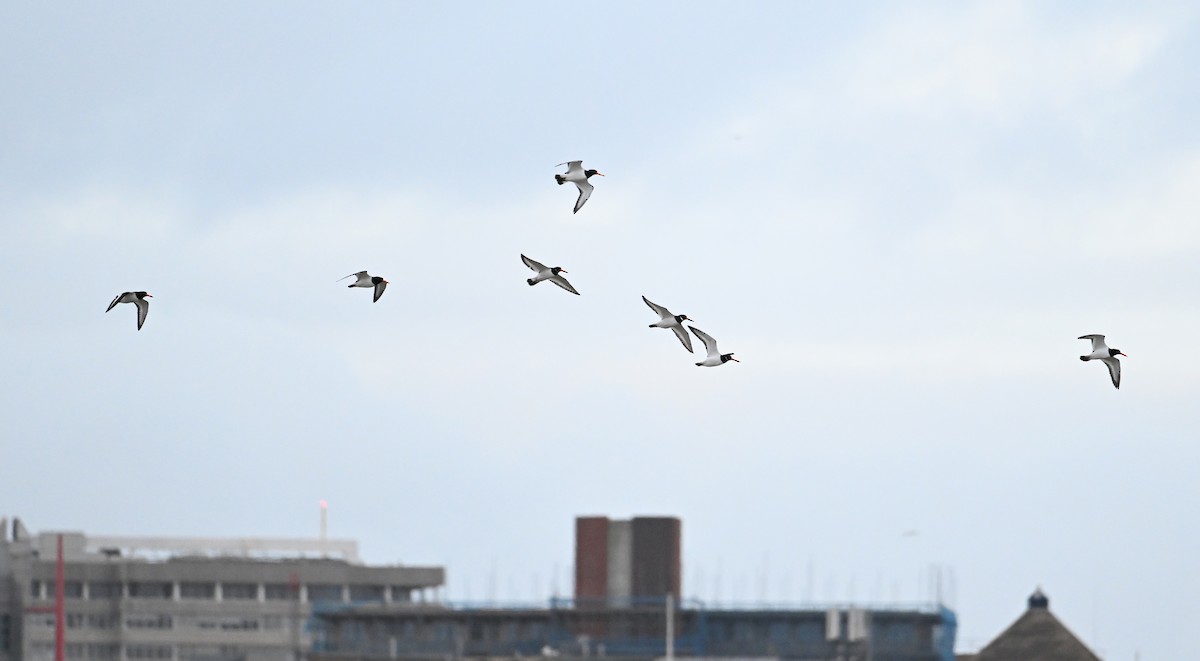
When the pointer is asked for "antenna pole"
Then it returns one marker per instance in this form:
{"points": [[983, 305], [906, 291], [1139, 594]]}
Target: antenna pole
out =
{"points": [[670, 627], [324, 526], [60, 618]]}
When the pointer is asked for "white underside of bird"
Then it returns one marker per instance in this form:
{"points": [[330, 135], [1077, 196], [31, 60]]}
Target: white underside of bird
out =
{"points": [[668, 320], [576, 175], [1101, 352], [714, 358], [544, 273], [367, 281]]}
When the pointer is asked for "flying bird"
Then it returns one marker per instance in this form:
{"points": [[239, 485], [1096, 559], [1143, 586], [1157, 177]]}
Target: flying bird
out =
{"points": [[672, 321], [544, 273], [1100, 351], [715, 358], [578, 176], [138, 298], [367, 280]]}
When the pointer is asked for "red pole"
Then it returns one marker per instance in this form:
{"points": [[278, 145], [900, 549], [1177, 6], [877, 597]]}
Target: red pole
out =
{"points": [[60, 618]]}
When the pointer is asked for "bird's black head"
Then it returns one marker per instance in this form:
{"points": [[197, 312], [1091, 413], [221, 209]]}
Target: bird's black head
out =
{"points": [[142, 294], [376, 280], [558, 269], [1116, 352], [589, 173], [726, 357], [683, 317]]}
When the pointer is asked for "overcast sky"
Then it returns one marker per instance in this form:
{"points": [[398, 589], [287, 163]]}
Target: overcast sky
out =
{"points": [[899, 216]]}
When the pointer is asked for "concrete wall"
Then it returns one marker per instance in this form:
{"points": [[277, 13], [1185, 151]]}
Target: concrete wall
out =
{"points": [[620, 562]]}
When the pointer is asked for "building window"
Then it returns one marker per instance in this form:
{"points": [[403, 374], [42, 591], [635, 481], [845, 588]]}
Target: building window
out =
{"points": [[366, 593], [162, 621], [244, 624], [151, 590], [197, 590], [75, 650], [143, 651], [104, 590], [401, 595], [103, 651], [324, 592], [73, 589], [202, 653], [281, 592], [5, 633], [75, 620], [102, 621], [35, 589], [239, 591]]}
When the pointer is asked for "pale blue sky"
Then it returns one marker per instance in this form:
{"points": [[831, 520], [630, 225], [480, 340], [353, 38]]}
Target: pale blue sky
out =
{"points": [[898, 215]]}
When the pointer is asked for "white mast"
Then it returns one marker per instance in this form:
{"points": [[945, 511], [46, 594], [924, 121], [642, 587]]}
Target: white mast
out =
{"points": [[670, 627]]}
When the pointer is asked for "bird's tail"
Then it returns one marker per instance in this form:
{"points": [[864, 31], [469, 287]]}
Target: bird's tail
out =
{"points": [[559, 179], [530, 281]]}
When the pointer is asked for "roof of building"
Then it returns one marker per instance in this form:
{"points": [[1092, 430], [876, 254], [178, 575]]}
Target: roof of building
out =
{"points": [[1036, 636]]}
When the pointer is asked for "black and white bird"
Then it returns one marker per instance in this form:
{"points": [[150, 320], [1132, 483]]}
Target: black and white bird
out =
{"points": [[672, 321], [1101, 352], [138, 298], [578, 176], [544, 273], [715, 357], [367, 280]]}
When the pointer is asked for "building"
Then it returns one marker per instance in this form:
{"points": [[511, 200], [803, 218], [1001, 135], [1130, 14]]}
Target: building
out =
{"points": [[185, 599], [634, 633], [1036, 636], [627, 605], [618, 561]]}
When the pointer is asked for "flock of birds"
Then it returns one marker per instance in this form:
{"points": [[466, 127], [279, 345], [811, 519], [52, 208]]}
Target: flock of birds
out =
{"points": [[575, 174]]}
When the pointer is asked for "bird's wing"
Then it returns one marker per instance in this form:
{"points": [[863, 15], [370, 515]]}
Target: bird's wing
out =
{"points": [[585, 191], [573, 166], [379, 287], [662, 312], [115, 300], [562, 282], [1097, 341], [143, 309], [360, 274], [683, 337], [709, 343], [537, 266], [1114, 370]]}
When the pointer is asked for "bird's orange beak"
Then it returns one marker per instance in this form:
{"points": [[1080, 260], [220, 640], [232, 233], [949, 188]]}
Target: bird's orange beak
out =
{"points": [[734, 359], [152, 296], [1125, 354], [599, 174]]}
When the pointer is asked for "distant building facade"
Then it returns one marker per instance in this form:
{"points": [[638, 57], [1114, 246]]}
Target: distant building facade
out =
{"points": [[1036, 636], [619, 561], [185, 599], [624, 572], [634, 633]]}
